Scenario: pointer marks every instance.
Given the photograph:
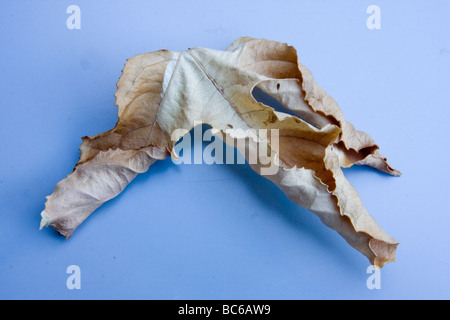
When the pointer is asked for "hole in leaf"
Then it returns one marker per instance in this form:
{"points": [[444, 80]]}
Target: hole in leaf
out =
{"points": [[270, 101]]}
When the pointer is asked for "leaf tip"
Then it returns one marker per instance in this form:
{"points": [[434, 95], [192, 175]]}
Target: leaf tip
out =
{"points": [[396, 173], [45, 220], [384, 252]]}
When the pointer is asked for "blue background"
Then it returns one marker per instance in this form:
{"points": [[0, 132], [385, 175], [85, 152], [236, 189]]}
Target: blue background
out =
{"points": [[221, 231]]}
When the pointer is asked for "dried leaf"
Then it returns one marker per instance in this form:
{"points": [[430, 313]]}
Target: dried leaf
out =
{"points": [[161, 92]]}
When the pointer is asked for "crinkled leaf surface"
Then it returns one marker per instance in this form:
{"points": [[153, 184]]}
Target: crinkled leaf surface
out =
{"points": [[163, 91]]}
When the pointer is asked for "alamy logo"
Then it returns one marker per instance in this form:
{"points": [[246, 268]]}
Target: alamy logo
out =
{"points": [[74, 20], [74, 280], [374, 20], [260, 147], [374, 280]]}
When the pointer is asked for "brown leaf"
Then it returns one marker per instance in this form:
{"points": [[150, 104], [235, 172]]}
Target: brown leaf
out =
{"points": [[163, 94]]}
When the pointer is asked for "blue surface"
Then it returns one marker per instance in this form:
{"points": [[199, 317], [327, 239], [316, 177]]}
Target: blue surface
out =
{"points": [[222, 232]]}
